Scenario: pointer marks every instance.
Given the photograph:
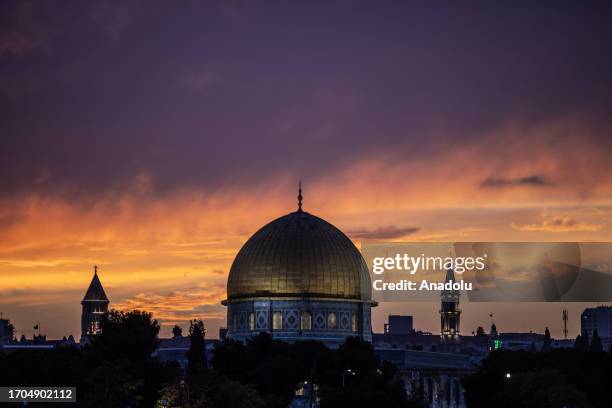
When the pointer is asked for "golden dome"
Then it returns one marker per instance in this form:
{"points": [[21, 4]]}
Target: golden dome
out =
{"points": [[299, 255]]}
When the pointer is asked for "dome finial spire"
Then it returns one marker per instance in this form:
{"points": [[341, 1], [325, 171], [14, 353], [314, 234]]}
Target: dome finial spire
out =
{"points": [[95, 269], [299, 197]]}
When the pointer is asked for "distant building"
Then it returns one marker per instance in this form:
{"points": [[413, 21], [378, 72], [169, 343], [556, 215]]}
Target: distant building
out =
{"points": [[470, 345], [222, 333], [175, 349], [399, 325], [521, 341], [37, 342], [433, 378], [563, 343], [6, 331], [306, 396], [94, 307], [599, 318], [450, 313]]}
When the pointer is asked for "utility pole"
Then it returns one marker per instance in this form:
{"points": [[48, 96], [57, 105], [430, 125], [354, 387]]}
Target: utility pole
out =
{"points": [[565, 323]]}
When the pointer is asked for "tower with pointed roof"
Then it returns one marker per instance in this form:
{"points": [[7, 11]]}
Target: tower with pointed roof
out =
{"points": [[94, 306], [450, 313]]}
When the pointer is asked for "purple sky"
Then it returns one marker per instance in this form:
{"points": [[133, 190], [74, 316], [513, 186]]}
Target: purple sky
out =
{"points": [[208, 93]]}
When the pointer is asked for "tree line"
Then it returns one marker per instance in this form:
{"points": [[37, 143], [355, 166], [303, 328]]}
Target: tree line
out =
{"points": [[117, 369]]}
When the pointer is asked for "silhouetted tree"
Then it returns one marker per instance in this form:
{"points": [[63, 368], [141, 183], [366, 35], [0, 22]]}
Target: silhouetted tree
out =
{"points": [[232, 394], [197, 351], [312, 358], [54, 367], [546, 345], [581, 343], [276, 368], [596, 345], [118, 368], [229, 358], [480, 331], [177, 331], [128, 335], [540, 388], [119, 363], [562, 377], [113, 385]]}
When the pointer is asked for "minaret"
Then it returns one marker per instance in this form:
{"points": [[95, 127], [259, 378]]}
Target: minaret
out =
{"points": [[450, 313], [494, 341], [95, 306]]}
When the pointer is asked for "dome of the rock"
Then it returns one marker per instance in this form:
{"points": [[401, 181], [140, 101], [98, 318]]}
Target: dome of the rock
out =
{"points": [[299, 277]]}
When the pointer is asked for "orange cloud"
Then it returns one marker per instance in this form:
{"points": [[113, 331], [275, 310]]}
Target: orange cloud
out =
{"points": [[170, 252], [559, 224], [181, 306]]}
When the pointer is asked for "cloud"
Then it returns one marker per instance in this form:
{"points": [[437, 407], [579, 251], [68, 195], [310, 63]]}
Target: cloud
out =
{"points": [[28, 27], [558, 223], [180, 306], [10, 218], [390, 232], [21, 32], [532, 180], [170, 253], [199, 81], [113, 16]]}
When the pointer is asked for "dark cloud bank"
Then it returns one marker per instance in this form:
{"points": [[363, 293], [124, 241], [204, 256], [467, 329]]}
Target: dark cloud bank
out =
{"points": [[533, 180], [92, 93], [383, 233]]}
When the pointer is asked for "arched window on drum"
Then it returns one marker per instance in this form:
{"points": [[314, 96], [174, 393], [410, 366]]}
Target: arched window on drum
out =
{"points": [[277, 321], [332, 322], [306, 321]]}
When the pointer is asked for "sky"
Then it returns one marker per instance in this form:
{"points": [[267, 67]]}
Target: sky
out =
{"points": [[153, 138]]}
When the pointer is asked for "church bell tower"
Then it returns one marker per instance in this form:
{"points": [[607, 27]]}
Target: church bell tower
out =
{"points": [[94, 305], [450, 313]]}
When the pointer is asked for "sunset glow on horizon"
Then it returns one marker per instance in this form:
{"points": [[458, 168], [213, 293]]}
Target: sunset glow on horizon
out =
{"points": [[170, 253]]}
